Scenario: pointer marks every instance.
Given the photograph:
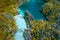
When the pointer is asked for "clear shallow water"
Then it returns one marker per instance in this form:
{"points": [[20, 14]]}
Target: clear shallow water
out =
{"points": [[21, 24]]}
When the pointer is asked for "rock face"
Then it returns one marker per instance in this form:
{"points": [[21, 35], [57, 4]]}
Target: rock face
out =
{"points": [[28, 18], [7, 23], [7, 27], [49, 29]]}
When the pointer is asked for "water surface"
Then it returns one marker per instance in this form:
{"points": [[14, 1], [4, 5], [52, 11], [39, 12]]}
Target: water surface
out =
{"points": [[34, 10]]}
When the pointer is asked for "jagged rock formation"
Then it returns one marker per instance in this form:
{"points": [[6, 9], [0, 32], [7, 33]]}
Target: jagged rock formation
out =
{"points": [[28, 17], [49, 29], [7, 23]]}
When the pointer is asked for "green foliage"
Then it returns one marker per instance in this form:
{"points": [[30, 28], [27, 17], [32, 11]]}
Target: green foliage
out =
{"points": [[49, 29], [7, 23], [51, 10], [7, 27]]}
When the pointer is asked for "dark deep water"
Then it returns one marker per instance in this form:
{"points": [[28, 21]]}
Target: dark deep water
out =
{"points": [[33, 8]]}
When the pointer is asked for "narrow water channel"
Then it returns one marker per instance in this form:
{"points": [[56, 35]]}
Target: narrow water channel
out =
{"points": [[21, 24]]}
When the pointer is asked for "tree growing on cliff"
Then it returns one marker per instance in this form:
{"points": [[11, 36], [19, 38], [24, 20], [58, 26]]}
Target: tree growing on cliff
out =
{"points": [[7, 23], [49, 29]]}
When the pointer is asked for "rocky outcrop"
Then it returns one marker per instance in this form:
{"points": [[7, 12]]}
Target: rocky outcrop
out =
{"points": [[49, 29], [7, 23], [28, 17]]}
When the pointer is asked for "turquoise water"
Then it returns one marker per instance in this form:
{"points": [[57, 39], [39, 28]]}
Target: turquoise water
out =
{"points": [[33, 8], [21, 25], [20, 11]]}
